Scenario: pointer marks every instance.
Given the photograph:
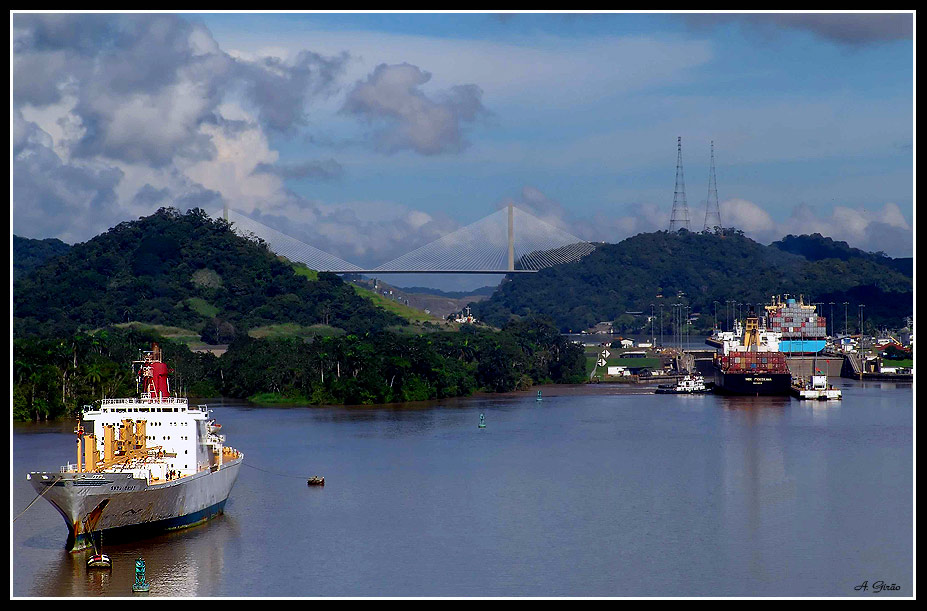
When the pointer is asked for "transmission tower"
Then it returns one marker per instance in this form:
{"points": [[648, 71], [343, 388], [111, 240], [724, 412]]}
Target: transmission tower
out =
{"points": [[680, 216], [712, 209]]}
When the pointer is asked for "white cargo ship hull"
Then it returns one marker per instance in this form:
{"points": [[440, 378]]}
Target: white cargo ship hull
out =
{"points": [[132, 504]]}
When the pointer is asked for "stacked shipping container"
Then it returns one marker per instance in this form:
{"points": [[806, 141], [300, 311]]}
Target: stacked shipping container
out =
{"points": [[797, 321], [754, 362]]}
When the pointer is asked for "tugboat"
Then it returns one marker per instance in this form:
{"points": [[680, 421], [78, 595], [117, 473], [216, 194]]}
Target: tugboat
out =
{"points": [[753, 365], [688, 385], [154, 463]]}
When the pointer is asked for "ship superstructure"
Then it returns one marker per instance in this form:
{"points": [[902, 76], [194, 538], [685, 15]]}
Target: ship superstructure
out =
{"points": [[143, 464], [767, 340]]}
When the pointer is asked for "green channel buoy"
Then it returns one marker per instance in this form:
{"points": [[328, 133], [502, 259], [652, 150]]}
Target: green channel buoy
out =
{"points": [[539, 396], [482, 421], [140, 584]]}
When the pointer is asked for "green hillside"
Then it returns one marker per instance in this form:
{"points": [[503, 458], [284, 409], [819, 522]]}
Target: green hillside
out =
{"points": [[695, 269], [816, 247], [409, 314], [184, 270], [29, 254]]}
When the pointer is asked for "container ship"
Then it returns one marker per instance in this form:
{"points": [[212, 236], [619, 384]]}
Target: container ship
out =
{"points": [[144, 465], [804, 332], [751, 364]]}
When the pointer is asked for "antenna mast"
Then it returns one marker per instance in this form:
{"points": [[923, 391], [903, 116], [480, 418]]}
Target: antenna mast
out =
{"points": [[680, 216], [712, 209]]}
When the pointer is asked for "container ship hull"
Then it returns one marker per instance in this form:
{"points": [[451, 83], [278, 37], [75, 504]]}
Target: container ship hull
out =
{"points": [[133, 507], [759, 383], [804, 347], [752, 372]]}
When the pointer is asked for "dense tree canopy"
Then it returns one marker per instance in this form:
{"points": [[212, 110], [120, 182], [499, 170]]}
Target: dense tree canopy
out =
{"points": [[184, 270], [55, 377], [29, 254], [815, 247], [696, 270]]}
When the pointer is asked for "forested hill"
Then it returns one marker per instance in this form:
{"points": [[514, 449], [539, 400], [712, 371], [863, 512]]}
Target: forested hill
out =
{"points": [[696, 269], [29, 254], [186, 270], [815, 247]]}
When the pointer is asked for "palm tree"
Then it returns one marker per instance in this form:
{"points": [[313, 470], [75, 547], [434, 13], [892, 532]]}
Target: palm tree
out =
{"points": [[94, 374]]}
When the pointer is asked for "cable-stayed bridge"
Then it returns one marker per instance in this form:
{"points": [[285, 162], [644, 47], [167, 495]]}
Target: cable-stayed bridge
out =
{"points": [[508, 241]]}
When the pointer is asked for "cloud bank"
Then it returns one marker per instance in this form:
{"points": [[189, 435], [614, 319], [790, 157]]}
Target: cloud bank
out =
{"points": [[880, 228], [843, 28], [391, 97], [117, 115]]}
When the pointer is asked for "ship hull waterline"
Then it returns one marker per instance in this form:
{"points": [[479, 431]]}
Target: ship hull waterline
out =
{"points": [[133, 508], [752, 384]]}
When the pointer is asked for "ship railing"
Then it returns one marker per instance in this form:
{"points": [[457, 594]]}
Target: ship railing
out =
{"points": [[136, 404], [67, 468], [145, 401]]}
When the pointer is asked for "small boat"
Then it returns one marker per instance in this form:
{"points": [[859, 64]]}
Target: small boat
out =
{"points": [[688, 385], [817, 389], [316, 480], [99, 561]]}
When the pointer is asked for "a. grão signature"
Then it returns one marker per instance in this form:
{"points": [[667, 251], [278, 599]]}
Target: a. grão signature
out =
{"points": [[877, 586]]}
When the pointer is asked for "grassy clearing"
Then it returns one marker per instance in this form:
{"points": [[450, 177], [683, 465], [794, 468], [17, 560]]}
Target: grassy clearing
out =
{"points": [[417, 328], [294, 330], [202, 307], [273, 398], [410, 314], [648, 362], [305, 272], [177, 334]]}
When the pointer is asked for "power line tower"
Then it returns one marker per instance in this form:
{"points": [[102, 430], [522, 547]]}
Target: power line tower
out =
{"points": [[680, 216], [712, 209]]}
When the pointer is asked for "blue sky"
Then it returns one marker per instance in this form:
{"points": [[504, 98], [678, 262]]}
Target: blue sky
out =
{"points": [[370, 134]]}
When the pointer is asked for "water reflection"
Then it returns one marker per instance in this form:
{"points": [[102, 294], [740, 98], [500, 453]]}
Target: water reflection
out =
{"points": [[181, 563]]}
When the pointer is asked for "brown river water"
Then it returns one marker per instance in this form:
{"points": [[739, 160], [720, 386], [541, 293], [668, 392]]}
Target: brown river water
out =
{"points": [[598, 490]]}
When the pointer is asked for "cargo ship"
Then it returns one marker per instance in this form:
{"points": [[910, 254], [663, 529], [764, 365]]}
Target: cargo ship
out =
{"points": [[144, 465], [752, 364], [804, 332]]}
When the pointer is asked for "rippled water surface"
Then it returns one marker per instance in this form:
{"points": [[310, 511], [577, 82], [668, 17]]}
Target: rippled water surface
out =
{"points": [[594, 491]]}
